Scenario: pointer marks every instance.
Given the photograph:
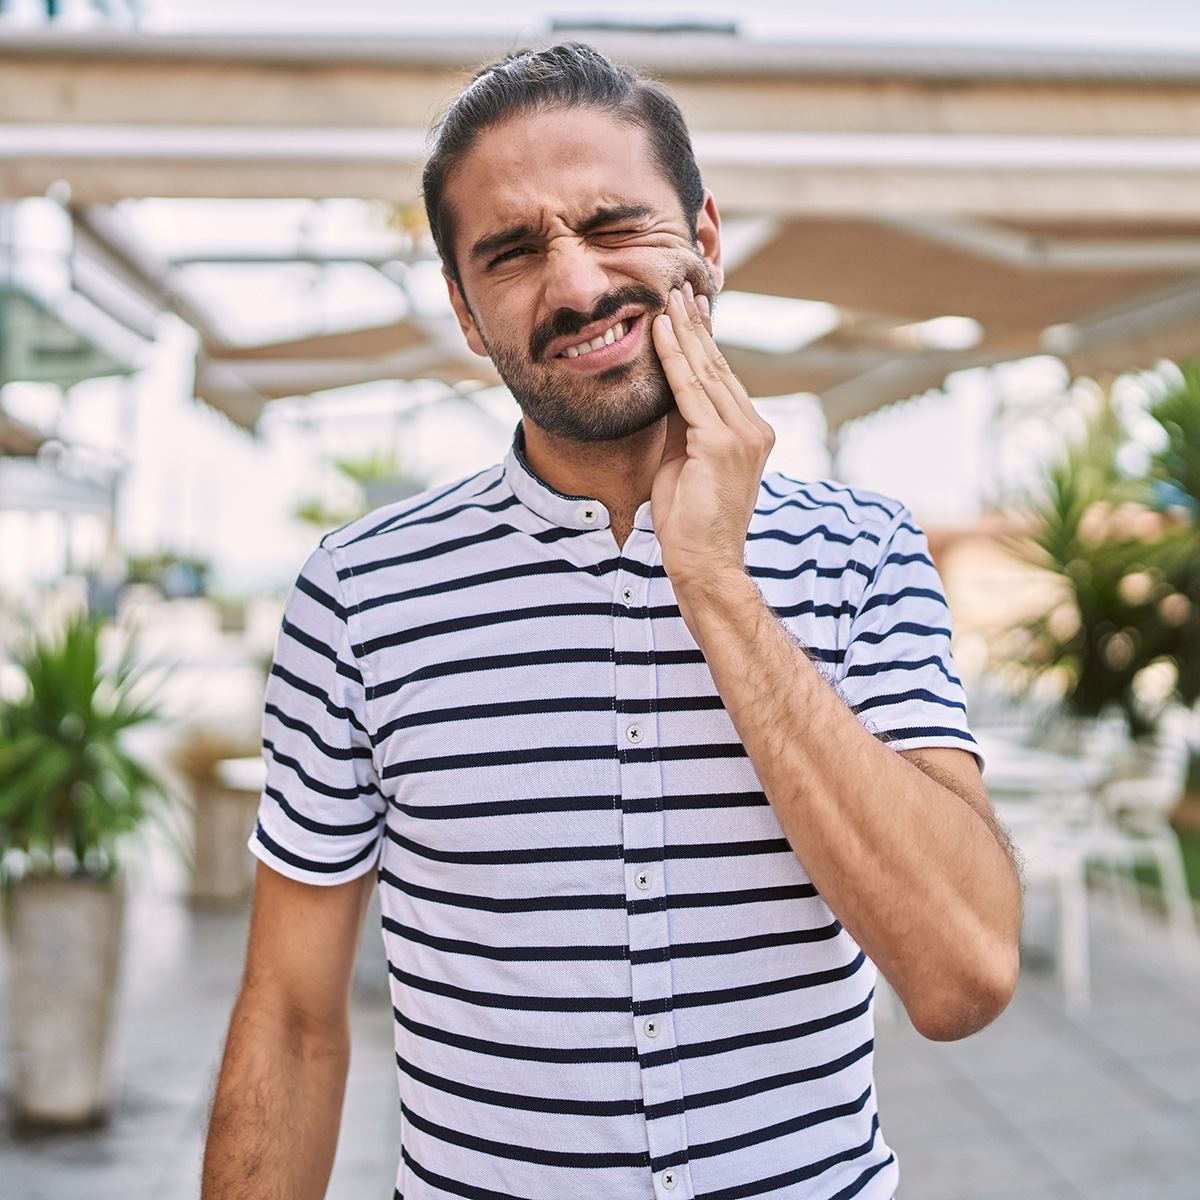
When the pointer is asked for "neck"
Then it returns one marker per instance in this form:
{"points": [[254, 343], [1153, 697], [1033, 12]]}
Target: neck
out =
{"points": [[619, 473]]}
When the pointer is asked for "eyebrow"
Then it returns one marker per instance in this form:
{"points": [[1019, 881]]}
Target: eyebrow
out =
{"points": [[496, 242]]}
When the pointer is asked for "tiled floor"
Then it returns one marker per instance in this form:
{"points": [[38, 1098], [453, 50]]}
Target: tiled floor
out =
{"points": [[1105, 1106], [1040, 1106]]}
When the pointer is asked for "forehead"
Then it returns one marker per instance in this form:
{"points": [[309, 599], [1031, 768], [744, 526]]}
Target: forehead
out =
{"points": [[555, 166]]}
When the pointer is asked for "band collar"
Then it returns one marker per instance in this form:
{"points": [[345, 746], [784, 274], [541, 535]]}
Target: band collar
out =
{"points": [[568, 512]]}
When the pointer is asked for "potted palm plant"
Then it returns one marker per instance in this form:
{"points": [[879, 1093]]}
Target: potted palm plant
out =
{"points": [[69, 792], [1128, 551]]}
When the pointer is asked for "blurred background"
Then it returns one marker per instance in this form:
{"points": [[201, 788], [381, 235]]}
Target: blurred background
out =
{"points": [[962, 269]]}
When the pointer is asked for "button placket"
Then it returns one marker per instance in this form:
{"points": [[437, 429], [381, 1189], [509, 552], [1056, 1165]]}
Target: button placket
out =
{"points": [[643, 833]]}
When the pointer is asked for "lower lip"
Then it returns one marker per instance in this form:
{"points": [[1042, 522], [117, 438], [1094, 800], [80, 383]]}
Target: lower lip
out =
{"points": [[607, 356]]}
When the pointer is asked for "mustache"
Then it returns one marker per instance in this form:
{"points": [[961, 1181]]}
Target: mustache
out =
{"points": [[566, 322]]}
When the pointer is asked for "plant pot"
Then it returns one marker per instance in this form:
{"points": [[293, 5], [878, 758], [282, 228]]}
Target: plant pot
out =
{"points": [[222, 865], [64, 940]]}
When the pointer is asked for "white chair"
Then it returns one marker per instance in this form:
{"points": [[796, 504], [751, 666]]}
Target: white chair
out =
{"points": [[1054, 859], [1132, 827]]}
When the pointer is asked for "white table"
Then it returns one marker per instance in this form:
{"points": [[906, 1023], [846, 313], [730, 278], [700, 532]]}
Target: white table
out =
{"points": [[1044, 799], [1024, 773]]}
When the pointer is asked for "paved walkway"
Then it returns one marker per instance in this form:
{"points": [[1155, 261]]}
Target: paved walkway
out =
{"points": [[1041, 1105]]}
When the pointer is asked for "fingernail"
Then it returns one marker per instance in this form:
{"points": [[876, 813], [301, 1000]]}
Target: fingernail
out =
{"points": [[703, 305], [687, 287]]}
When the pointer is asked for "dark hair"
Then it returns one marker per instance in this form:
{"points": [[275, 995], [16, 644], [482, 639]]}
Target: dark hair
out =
{"points": [[570, 75]]}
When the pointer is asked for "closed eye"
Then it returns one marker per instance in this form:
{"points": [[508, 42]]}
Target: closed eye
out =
{"points": [[510, 253]]}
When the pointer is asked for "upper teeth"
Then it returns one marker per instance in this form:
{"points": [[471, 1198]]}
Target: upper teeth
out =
{"points": [[615, 334]]}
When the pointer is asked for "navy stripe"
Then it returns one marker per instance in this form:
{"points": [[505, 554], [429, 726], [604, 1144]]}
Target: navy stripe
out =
{"points": [[418, 505], [743, 945], [798, 539], [794, 891], [492, 662], [322, 827], [750, 991], [342, 753], [496, 904], [766, 1037], [311, 590], [310, 864], [518, 856], [337, 711], [572, 1055], [507, 953], [518, 1003], [470, 1191], [499, 758], [924, 694], [481, 621], [590, 1159], [507, 808], [775, 1183], [769, 1133], [755, 1087], [887, 599], [514, 1100], [873, 639], [311, 782], [918, 664]]}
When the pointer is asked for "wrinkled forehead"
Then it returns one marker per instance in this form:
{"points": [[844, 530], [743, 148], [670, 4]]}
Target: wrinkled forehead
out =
{"points": [[561, 162]]}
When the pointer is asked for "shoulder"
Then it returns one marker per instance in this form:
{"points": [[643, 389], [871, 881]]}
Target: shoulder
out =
{"points": [[842, 513], [394, 523]]}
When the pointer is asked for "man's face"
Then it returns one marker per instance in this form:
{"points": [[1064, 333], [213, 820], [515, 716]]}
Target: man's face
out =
{"points": [[569, 240]]}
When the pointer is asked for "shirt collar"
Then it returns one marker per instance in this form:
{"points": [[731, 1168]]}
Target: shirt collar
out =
{"points": [[568, 512]]}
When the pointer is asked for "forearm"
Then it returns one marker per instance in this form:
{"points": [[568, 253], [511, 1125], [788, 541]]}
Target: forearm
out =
{"points": [[275, 1117], [913, 871]]}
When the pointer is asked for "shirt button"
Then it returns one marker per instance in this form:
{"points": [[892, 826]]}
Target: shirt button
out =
{"points": [[588, 514], [669, 1180], [651, 1028], [627, 595], [642, 880], [634, 734]]}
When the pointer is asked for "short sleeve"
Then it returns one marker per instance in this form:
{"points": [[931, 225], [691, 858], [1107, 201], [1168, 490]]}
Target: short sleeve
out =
{"points": [[897, 674], [321, 814]]}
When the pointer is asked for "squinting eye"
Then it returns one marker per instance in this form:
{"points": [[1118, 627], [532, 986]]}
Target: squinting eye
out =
{"points": [[513, 253]]}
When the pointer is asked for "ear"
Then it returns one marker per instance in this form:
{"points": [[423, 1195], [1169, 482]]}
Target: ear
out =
{"points": [[708, 234], [466, 321]]}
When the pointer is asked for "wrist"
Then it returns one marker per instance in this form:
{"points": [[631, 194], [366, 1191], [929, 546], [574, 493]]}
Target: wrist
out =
{"points": [[715, 599]]}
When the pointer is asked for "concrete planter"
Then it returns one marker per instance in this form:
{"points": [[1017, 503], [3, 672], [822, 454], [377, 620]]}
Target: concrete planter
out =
{"points": [[221, 864], [225, 810], [64, 940]]}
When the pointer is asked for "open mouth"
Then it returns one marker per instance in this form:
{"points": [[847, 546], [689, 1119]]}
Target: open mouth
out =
{"points": [[616, 332]]}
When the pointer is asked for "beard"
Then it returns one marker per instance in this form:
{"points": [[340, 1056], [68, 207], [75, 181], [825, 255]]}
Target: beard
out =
{"points": [[609, 405]]}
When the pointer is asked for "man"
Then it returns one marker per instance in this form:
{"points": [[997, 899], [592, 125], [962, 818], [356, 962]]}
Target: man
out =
{"points": [[598, 716]]}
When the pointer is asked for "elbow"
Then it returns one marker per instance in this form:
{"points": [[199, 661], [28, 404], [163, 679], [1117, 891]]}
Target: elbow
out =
{"points": [[970, 1001]]}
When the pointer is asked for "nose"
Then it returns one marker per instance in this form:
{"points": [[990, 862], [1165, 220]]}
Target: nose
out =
{"points": [[575, 278]]}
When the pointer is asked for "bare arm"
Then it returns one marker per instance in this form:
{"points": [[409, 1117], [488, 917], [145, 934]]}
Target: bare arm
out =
{"points": [[903, 848], [274, 1124]]}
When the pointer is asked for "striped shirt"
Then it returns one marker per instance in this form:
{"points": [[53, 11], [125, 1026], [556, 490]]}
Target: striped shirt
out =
{"points": [[611, 975]]}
